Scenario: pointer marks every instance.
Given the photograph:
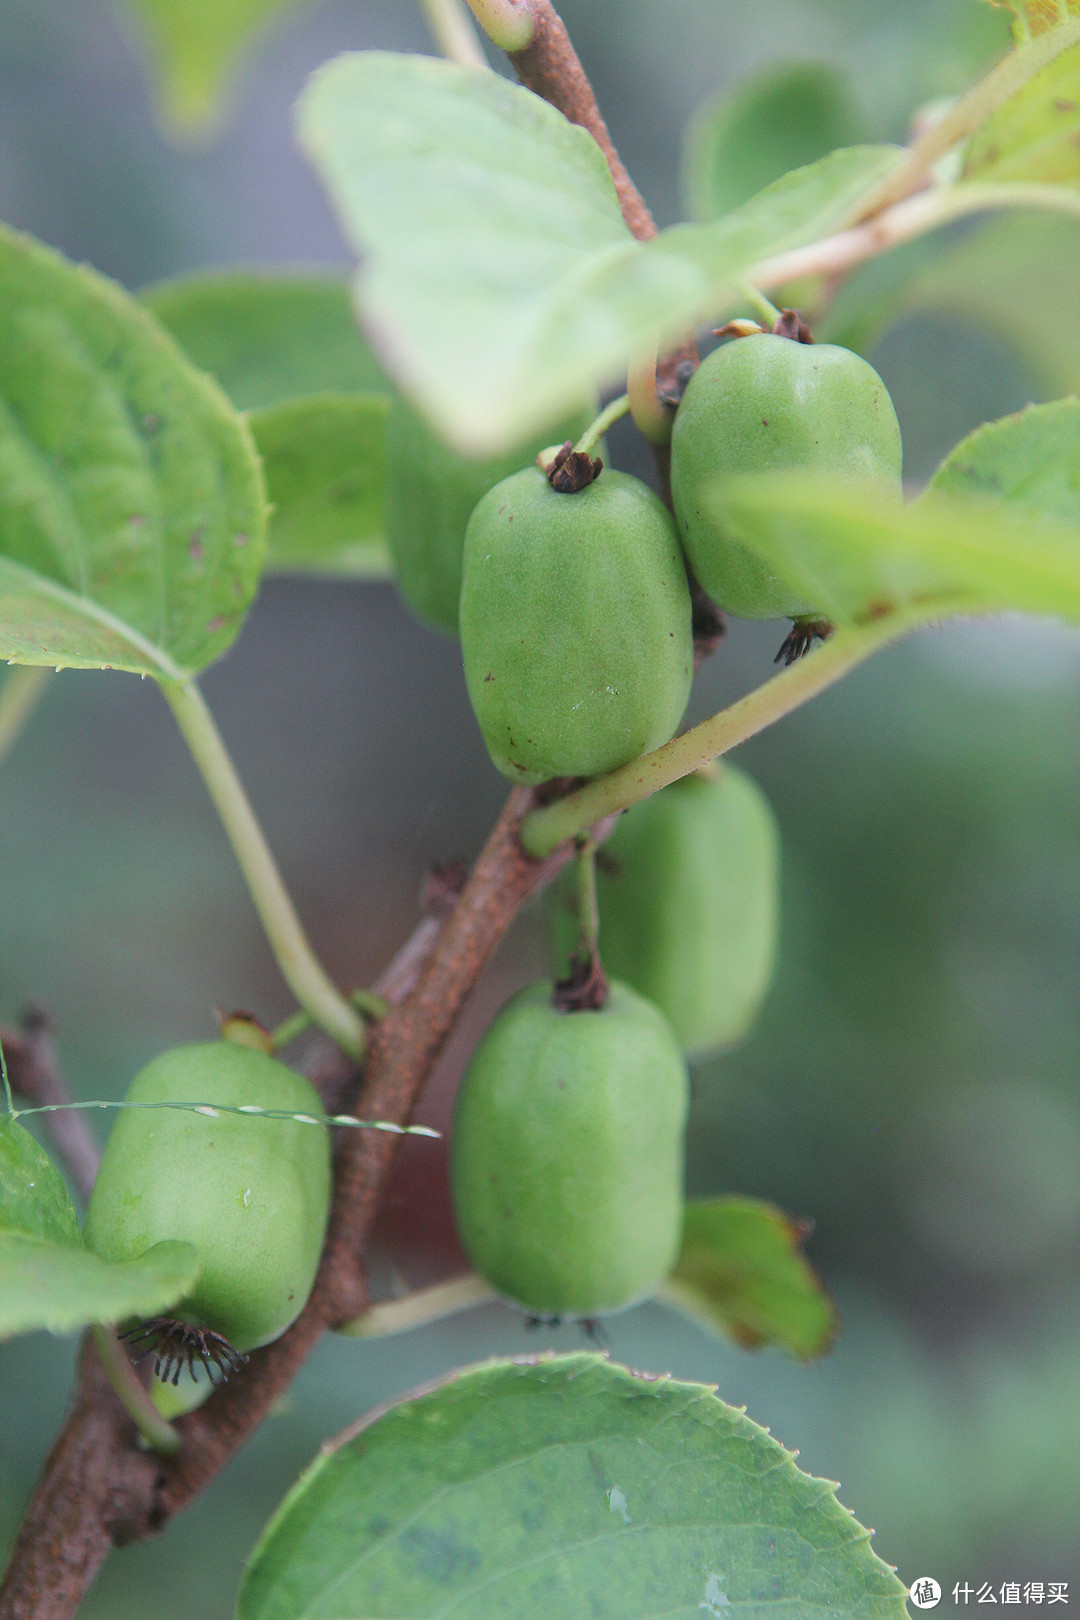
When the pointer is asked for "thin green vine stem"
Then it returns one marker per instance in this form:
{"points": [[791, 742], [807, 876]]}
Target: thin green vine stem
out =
{"points": [[417, 1310], [545, 829], [453, 31], [158, 1434], [23, 687], [596, 430], [587, 903], [301, 969], [762, 306]]}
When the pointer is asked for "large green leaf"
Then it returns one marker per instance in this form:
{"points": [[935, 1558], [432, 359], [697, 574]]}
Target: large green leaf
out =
{"points": [[132, 511], [268, 336], [326, 478], [741, 1271], [855, 558], [196, 44], [563, 1487], [47, 1278], [1033, 135], [33, 1198], [498, 281], [1017, 276], [778, 120], [61, 1287]]}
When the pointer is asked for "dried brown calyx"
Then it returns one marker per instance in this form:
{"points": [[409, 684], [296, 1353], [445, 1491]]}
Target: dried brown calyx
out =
{"points": [[572, 470]]}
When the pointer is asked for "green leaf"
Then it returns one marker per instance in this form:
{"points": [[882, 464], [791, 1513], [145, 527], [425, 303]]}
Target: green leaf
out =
{"points": [[195, 45], [1033, 135], [857, 559], [132, 511], [1030, 460], [1018, 276], [47, 1278], [268, 336], [34, 1201], [61, 1287], [778, 120], [498, 280], [326, 478], [741, 1271], [563, 1486]]}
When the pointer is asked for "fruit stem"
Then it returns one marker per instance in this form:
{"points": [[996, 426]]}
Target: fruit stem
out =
{"points": [[587, 905], [596, 430], [18, 698], [135, 1400], [301, 969], [758, 302], [509, 24], [545, 829], [453, 32], [416, 1310]]}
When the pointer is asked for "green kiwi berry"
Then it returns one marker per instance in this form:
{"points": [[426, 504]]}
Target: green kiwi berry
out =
{"points": [[575, 625], [567, 1153]]}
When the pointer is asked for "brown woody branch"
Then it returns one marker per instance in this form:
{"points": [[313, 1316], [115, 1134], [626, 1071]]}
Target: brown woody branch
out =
{"points": [[97, 1489], [549, 65]]}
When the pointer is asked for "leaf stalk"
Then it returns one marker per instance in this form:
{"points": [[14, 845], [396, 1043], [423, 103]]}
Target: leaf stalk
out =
{"points": [[545, 829], [301, 969]]}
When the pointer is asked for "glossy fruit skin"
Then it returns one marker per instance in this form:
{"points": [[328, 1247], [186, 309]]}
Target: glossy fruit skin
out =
{"points": [[575, 625], [768, 404], [688, 887], [567, 1153], [430, 494], [251, 1194]]}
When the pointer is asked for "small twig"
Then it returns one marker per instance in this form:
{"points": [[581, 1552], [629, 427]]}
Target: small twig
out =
{"points": [[915, 216], [425, 1305], [20, 694], [35, 1074], [135, 1400], [964, 117]]}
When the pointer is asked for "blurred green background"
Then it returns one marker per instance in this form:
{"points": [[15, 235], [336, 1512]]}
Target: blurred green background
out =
{"points": [[912, 1085]]}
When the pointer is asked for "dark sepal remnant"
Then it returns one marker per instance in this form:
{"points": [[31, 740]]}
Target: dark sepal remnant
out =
{"points": [[177, 1346], [572, 470], [801, 637], [791, 325]]}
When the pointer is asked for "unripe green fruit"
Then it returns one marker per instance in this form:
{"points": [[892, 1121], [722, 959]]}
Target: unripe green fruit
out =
{"points": [[575, 625], [430, 495], [251, 1194], [567, 1153], [688, 892], [768, 404]]}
